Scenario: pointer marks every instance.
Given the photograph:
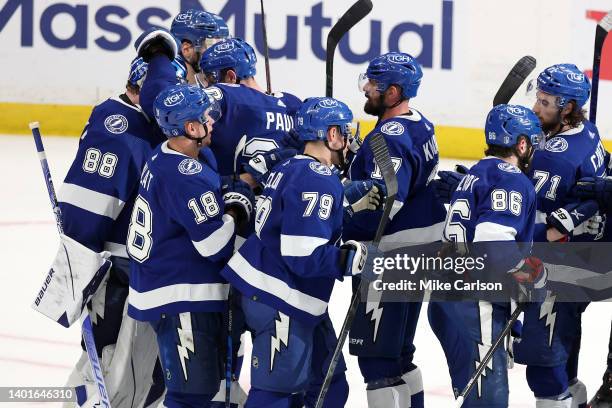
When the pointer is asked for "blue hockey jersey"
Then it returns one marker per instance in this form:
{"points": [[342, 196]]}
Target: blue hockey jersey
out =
{"points": [[264, 119], [179, 237], [291, 260], [568, 156], [417, 216], [495, 202], [98, 193]]}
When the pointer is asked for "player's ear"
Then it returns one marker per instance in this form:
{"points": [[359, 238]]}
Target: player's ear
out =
{"points": [[185, 45], [567, 109], [230, 77]]}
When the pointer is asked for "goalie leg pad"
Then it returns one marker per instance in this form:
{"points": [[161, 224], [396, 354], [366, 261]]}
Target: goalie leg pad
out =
{"points": [[75, 275]]}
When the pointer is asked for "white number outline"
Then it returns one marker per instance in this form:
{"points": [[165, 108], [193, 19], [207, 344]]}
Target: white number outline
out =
{"points": [[98, 162], [143, 230], [211, 208]]}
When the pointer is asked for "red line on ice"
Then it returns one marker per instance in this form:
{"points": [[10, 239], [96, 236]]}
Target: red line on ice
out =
{"points": [[38, 340]]}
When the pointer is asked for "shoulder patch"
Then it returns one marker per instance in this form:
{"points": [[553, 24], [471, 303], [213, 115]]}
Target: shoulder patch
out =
{"points": [[556, 145], [190, 166], [392, 128], [116, 124], [214, 92], [320, 168], [507, 167]]}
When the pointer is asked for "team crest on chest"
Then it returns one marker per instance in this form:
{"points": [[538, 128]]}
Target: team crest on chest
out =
{"points": [[320, 168], [392, 128], [190, 166], [556, 145], [116, 124]]}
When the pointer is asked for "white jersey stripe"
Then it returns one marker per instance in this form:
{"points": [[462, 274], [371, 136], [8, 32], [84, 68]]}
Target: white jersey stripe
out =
{"points": [[276, 287], [181, 292], [216, 241], [300, 245], [92, 201], [491, 231]]}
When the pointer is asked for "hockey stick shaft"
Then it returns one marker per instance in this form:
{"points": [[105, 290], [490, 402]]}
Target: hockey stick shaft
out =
{"points": [[601, 32], [87, 330], [266, 49], [353, 15], [383, 160], [230, 312], [489, 355]]}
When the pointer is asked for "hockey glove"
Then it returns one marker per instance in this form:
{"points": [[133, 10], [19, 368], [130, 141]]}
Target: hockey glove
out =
{"points": [[181, 69], [446, 185], [568, 218], [138, 70], [261, 164], [362, 195], [292, 140], [238, 196], [595, 188], [531, 277], [359, 260], [154, 41]]}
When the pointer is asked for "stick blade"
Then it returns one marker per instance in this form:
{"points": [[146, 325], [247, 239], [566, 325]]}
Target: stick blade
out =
{"points": [[385, 164], [515, 78]]}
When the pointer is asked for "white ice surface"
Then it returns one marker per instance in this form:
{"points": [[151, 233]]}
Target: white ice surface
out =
{"points": [[35, 351]]}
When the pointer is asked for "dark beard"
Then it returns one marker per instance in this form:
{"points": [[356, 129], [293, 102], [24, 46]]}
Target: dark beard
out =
{"points": [[375, 109], [524, 162]]}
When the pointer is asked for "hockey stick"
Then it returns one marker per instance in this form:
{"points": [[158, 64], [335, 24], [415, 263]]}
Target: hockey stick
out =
{"points": [[230, 313], [383, 160], [266, 51], [87, 330], [515, 78], [489, 355], [601, 32], [353, 15]]}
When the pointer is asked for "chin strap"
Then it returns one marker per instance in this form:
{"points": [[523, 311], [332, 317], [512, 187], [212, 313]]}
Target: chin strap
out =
{"points": [[199, 140]]}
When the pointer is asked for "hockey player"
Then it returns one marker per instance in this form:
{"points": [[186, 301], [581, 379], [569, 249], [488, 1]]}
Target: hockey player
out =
{"points": [[96, 201], [230, 67], [494, 202], [181, 234], [196, 30], [573, 150], [382, 333], [286, 270]]}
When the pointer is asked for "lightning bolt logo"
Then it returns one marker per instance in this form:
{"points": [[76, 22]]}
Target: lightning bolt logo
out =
{"points": [[373, 306], [546, 309], [185, 335], [282, 336], [486, 339]]}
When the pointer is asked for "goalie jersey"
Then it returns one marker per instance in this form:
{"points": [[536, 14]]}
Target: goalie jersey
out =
{"points": [[263, 119], [179, 237], [417, 216], [98, 193], [567, 157], [291, 261]]}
